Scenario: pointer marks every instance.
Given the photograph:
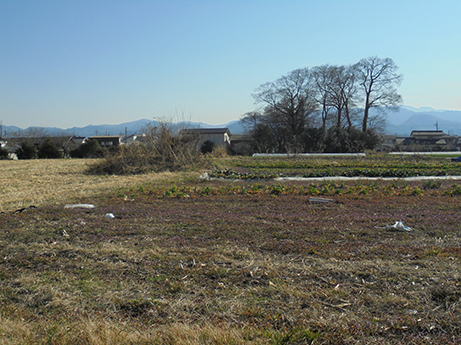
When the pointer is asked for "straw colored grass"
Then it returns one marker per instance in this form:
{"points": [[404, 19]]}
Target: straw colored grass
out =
{"points": [[57, 182]]}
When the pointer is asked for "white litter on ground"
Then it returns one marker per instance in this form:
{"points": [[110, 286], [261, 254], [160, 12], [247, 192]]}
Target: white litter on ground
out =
{"points": [[320, 200], [79, 206], [205, 176], [397, 226], [109, 216]]}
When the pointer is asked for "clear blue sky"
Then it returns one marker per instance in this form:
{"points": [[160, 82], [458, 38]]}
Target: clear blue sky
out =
{"points": [[80, 62]]}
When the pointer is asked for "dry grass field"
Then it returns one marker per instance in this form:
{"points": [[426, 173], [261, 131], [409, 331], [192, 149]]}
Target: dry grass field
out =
{"points": [[57, 182], [193, 261]]}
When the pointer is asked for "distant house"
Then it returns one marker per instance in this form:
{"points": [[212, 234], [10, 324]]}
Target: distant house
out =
{"points": [[78, 140], [218, 136], [433, 139], [428, 135], [427, 140], [64, 143], [134, 139], [108, 140], [9, 150]]}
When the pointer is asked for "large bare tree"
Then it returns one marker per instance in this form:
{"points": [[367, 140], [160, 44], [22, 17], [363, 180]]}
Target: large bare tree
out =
{"points": [[289, 101], [378, 79], [336, 90]]}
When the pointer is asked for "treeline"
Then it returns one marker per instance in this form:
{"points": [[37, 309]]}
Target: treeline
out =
{"points": [[43, 148], [324, 108]]}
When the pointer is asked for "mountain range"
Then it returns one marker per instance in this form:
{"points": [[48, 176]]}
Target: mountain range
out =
{"points": [[400, 123], [407, 119], [129, 128]]}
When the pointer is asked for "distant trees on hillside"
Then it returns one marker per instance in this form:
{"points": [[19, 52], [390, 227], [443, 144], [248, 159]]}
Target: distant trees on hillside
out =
{"points": [[325, 108]]}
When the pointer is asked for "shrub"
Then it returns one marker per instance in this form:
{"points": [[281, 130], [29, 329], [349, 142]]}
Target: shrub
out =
{"points": [[166, 149]]}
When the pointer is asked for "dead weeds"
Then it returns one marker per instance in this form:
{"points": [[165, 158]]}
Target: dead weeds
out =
{"points": [[57, 182]]}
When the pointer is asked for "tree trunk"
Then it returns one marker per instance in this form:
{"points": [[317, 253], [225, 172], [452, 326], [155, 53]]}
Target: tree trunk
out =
{"points": [[365, 115], [338, 121]]}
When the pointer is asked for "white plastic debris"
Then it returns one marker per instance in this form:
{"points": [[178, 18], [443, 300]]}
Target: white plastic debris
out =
{"points": [[397, 226], [205, 176], [79, 206], [109, 216], [320, 200]]}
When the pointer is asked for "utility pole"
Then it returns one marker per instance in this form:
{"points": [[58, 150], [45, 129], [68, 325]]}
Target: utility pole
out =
{"points": [[437, 125]]}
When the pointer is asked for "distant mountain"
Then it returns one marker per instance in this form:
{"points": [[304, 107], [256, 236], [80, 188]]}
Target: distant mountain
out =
{"points": [[422, 109], [405, 120], [129, 128], [424, 122], [400, 122], [235, 127]]}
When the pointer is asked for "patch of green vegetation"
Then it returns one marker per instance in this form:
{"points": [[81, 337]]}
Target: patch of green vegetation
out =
{"points": [[432, 184], [454, 190]]}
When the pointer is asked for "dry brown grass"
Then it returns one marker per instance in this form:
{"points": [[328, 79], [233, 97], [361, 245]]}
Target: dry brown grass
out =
{"points": [[57, 182]]}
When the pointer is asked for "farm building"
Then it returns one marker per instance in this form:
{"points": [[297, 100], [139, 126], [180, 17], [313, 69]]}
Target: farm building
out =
{"points": [[108, 140], [209, 137], [427, 140]]}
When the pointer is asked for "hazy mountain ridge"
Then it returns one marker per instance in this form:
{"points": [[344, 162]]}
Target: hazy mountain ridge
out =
{"points": [[400, 123], [405, 120], [133, 127]]}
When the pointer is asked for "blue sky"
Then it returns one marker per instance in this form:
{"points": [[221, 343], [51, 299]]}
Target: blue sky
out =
{"points": [[80, 62]]}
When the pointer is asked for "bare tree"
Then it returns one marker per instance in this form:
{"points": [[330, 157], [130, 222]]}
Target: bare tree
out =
{"points": [[35, 132], [289, 101], [336, 90], [250, 120], [322, 76], [378, 79]]}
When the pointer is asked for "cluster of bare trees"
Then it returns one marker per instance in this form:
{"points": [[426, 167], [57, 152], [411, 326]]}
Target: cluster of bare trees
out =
{"points": [[325, 108]]}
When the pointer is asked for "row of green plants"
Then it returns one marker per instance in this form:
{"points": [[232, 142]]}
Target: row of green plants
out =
{"points": [[379, 172], [384, 162], [379, 166], [328, 172], [326, 188], [232, 174]]}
